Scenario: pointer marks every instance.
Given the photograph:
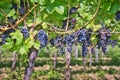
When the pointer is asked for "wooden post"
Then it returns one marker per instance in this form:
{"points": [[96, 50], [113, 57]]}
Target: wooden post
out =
{"points": [[54, 59], [14, 60], [96, 55], [90, 58]]}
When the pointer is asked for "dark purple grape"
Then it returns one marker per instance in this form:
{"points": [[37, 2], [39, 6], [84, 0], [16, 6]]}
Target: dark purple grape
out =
{"points": [[71, 24], [14, 6], [61, 48], [92, 50], [25, 32], [43, 38], [3, 39], [117, 16], [73, 10], [52, 42], [69, 40], [84, 49], [21, 11]]}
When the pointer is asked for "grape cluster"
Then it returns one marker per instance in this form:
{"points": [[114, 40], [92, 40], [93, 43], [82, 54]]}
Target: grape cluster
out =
{"points": [[117, 15], [21, 11], [25, 32], [58, 43], [103, 37], [11, 20], [5, 35], [69, 40], [14, 5], [84, 49], [43, 38], [84, 38], [22, 8]]}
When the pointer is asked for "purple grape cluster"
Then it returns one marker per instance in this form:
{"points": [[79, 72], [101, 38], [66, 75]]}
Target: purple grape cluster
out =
{"points": [[14, 5], [84, 38], [102, 38], [3, 39], [69, 40], [25, 32], [22, 8], [82, 35], [43, 38], [5, 35], [84, 49], [21, 11]]}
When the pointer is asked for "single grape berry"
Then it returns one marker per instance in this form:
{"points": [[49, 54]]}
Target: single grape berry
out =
{"points": [[73, 10], [25, 32]]}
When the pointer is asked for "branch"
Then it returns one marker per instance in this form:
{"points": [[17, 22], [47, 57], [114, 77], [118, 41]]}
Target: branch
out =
{"points": [[19, 21], [55, 28], [93, 17], [67, 25]]}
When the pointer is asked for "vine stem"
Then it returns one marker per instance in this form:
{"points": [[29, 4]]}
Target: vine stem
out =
{"points": [[67, 65], [19, 21], [67, 25], [93, 17]]}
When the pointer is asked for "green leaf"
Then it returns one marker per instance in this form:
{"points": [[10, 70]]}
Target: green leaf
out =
{"points": [[59, 9], [115, 7], [29, 43], [11, 13], [17, 36], [52, 1], [7, 46], [44, 25], [36, 44], [22, 50], [50, 9]]}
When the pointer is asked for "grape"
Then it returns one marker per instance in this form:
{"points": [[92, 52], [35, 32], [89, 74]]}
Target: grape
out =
{"points": [[22, 11], [84, 49], [69, 40], [81, 35], [52, 42], [61, 50], [25, 32], [88, 36], [92, 50], [11, 20], [117, 16], [14, 6], [73, 10], [3, 38], [113, 43], [71, 23], [43, 38]]}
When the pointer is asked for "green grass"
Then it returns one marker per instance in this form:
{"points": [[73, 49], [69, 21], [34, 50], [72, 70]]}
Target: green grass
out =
{"points": [[58, 74]]}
